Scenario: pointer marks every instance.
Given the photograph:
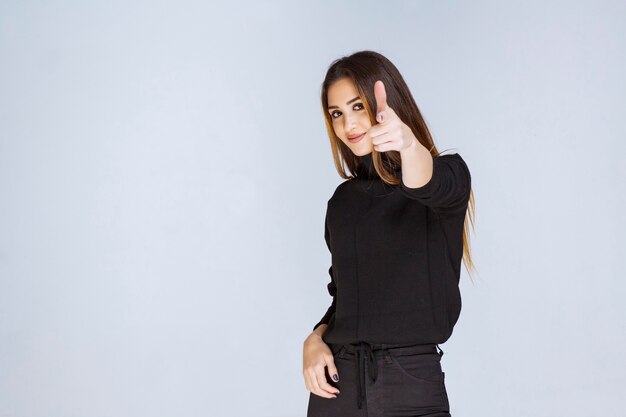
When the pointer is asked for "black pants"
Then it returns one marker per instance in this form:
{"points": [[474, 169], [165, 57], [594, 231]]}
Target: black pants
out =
{"points": [[385, 380]]}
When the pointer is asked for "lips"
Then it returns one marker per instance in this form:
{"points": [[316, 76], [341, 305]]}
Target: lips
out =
{"points": [[354, 139]]}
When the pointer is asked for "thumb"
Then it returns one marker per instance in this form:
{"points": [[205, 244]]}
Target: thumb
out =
{"points": [[332, 370], [381, 100]]}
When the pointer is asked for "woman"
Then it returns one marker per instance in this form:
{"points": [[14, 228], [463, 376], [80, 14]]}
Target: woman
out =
{"points": [[397, 232]]}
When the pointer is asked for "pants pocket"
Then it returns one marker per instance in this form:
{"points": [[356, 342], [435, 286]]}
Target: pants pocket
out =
{"points": [[425, 367], [415, 385]]}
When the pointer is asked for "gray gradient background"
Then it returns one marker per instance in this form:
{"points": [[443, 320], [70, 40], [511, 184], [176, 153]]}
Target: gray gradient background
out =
{"points": [[164, 171]]}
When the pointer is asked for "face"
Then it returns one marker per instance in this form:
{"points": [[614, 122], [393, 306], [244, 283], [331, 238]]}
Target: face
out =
{"points": [[349, 117]]}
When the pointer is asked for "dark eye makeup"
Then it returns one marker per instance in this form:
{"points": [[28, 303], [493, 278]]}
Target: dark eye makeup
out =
{"points": [[332, 115]]}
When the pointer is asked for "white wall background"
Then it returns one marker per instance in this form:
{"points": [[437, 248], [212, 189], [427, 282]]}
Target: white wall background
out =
{"points": [[164, 171]]}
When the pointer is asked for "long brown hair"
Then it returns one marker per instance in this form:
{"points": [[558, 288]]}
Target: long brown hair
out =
{"points": [[364, 68]]}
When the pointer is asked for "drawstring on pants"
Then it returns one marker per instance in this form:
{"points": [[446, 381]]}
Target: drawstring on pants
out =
{"points": [[364, 353]]}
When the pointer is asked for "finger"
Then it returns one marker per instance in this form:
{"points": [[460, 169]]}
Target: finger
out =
{"points": [[381, 100], [312, 378], [332, 369], [323, 384], [383, 142], [307, 380], [380, 137], [386, 147], [316, 387]]}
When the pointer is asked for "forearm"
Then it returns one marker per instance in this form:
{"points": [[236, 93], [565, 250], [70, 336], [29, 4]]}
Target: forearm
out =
{"points": [[417, 165]]}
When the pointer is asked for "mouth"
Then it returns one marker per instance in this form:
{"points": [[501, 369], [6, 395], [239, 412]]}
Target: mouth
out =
{"points": [[355, 139]]}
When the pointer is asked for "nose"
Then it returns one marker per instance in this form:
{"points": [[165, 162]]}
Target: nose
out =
{"points": [[348, 123]]}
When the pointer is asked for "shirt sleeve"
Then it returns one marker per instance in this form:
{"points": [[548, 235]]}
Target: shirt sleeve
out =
{"points": [[448, 190], [332, 288]]}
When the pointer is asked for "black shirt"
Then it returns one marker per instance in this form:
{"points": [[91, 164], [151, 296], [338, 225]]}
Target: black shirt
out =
{"points": [[396, 255]]}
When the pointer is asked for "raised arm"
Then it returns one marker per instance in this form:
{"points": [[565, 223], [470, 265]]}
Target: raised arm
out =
{"points": [[442, 183]]}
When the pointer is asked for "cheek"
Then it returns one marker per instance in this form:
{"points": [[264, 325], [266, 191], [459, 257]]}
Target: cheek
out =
{"points": [[364, 120], [337, 128]]}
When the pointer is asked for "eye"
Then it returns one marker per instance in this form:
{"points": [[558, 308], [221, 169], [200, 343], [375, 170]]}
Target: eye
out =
{"points": [[357, 106]]}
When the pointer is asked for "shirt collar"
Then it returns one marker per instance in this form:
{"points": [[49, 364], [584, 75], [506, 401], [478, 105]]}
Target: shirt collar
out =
{"points": [[366, 167]]}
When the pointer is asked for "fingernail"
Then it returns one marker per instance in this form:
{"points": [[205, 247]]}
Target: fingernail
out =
{"points": [[335, 377]]}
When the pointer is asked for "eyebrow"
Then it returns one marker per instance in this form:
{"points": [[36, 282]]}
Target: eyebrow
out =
{"points": [[335, 107]]}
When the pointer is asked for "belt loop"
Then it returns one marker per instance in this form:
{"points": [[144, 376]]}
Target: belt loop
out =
{"points": [[341, 351], [440, 351]]}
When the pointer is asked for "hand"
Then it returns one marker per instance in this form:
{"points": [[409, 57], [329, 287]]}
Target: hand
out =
{"points": [[317, 355], [390, 134]]}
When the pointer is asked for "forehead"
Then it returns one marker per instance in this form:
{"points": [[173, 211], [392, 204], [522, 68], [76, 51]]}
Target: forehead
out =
{"points": [[341, 91]]}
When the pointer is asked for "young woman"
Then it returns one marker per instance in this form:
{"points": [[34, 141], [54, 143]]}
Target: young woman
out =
{"points": [[397, 232]]}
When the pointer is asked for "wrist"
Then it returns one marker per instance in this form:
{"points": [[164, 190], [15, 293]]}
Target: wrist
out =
{"points": [[319, 331], [413, 142], [411, 147]]}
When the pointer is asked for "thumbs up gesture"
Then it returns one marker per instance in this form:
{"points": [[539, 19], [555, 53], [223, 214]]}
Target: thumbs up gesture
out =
{"points": [[390, 134]]}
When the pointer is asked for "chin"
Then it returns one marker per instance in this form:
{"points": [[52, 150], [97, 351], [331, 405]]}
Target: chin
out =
{"points": [[360, 149]]}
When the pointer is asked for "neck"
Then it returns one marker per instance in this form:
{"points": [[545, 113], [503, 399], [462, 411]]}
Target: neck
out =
{"points": [[366, 166]]}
